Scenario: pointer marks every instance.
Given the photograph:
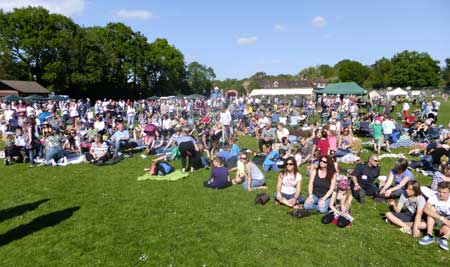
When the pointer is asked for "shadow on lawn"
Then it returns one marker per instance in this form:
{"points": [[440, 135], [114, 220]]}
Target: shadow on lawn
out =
{"points": [[37, 224], [19, 210]]}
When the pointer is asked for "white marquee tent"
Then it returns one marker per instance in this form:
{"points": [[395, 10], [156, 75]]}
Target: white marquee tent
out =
{"points": [[398, 91], [280, 92]]}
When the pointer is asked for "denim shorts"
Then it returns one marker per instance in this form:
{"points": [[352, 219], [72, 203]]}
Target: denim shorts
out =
{"points": [[405, 216]]}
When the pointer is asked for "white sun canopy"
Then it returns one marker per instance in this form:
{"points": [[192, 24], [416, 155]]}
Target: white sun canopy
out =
{"points": [[396, 92], [290, 91]]}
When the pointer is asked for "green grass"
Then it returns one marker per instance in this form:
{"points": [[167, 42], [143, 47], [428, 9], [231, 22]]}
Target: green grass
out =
{"points": [[123, 222]]}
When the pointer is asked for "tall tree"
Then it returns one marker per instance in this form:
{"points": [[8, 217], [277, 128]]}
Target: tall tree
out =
{"points": [[200, 78], [348, 70], [411, 68], [309, 73], [446, 72], [379, 76]]}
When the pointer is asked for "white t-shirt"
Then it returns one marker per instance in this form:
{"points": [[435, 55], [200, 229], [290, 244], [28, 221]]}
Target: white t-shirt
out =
{"points": [[289, 184], [388, 126], [442, 207], [411, 204], [283, 133]]}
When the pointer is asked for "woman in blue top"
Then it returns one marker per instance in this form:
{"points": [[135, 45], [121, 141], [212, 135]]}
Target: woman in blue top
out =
{"points": [[400, 176]]}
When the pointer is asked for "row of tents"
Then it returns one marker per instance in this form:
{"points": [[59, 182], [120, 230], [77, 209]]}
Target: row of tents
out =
{"points": [[35, 98]]}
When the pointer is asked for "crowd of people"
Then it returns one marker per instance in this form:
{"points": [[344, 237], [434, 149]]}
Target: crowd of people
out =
{"points": [[203, 133]]}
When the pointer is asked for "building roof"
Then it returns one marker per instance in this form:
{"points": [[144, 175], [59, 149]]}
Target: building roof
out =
{"points": [[284, 84], [26, 87]]}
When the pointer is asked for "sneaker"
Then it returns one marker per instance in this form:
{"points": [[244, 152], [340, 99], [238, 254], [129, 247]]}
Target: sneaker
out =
{"points": [[183, 170], [406, 230], [443, 243], [192, 169], [426, 240], [362, 196]]}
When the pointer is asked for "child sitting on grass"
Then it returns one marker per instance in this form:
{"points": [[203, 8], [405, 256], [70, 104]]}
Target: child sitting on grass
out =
{"points": [[219, 175], [340, 204], [407, 213]]}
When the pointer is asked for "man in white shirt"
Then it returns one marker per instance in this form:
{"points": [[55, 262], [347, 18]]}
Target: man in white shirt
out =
{"points": [[225, 119], [437, 210], [388, 129]]}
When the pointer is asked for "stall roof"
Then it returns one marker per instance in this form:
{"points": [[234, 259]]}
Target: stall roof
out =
{"points": [[345, 88], [281, 91]]}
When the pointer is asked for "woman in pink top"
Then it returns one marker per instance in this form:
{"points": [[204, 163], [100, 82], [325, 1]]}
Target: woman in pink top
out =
{"points": [[332, 138]]}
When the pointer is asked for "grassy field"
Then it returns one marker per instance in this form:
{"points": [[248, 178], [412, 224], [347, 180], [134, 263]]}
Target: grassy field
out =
{"points": [[102, 216]]}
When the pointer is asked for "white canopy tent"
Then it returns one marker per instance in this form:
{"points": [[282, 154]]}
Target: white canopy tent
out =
{"points": [[397, 92], [280, 92], [415, 93], [374, 94]]}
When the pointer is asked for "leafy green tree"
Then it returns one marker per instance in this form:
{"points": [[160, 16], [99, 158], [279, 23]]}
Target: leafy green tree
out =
{"points": [[310, 73], [326, 71], [410, 68], [446, 72], [348, 70], [200, 78], [167, 71], [379, 76]]}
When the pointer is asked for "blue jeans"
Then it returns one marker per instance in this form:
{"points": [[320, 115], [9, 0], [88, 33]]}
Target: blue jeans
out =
{"points": [[301, 199], [315, 205], [55, 153], [270, 166], [117, 145], [254, 184]]}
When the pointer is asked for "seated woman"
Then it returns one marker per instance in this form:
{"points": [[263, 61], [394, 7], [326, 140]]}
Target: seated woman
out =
{"points": [[219, 175], [438, 177], [254, 178], [53, 148], [344, 143], [340, 204], [71, 146], [274, 160], [289, 185], [400, 176], [240, 169], [99, 150], [321, 185], [407, 213]]}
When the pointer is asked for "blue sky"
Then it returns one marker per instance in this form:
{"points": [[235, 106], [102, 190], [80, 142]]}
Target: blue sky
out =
{"points": [[239, 38]]}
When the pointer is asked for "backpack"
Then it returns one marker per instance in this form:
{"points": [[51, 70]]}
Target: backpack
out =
{"points": [[163, 168], [262, 198]]}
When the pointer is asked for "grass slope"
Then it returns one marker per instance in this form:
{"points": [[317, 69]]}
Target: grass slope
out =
{"points": [[102, 216]]}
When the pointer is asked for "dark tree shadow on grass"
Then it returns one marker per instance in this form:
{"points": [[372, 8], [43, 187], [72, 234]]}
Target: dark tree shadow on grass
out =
{"points": [[19, 210], [37, 224]]}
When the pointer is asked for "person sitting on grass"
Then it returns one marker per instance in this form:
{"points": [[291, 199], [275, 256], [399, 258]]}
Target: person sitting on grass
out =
{"points": [[219, 175], [172, 154], [254, 178], [98, 153], [400, 176], [240, 169], [363, 177], [289, 185], [437, 210], [340, 204], [274, 160], [407, 213], [321, 185], [120, 138]]}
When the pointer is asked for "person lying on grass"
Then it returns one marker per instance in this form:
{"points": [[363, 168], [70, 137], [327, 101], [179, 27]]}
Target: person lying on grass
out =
{"points": [[219, 178], [172, 154], [289, 185], [399, 175], [407, 213], [321, 185], [340, 204], [437, 210]]}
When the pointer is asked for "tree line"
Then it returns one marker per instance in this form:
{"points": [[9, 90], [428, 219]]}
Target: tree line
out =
{"points": [[115, 61], [111, 61]]}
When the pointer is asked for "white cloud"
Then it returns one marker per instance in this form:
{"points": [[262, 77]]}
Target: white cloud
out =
{"points": [[280, 28], [65, 7], [135, 14], [247, 40], [318, 21]]}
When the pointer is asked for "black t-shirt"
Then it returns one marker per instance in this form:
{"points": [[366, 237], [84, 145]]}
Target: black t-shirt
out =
{"points": [[365, 174]]}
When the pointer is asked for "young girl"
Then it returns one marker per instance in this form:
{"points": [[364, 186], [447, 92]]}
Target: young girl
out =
{"points": [[407, 213], [340, 204], [219, 175]]}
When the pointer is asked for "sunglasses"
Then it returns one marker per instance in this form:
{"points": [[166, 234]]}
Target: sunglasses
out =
{"points": [[375, 160], [290, 164], [324, 161], [243, 158]]}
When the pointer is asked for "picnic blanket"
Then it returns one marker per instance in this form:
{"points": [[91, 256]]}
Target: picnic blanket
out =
{"points": [[173, 176]]}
